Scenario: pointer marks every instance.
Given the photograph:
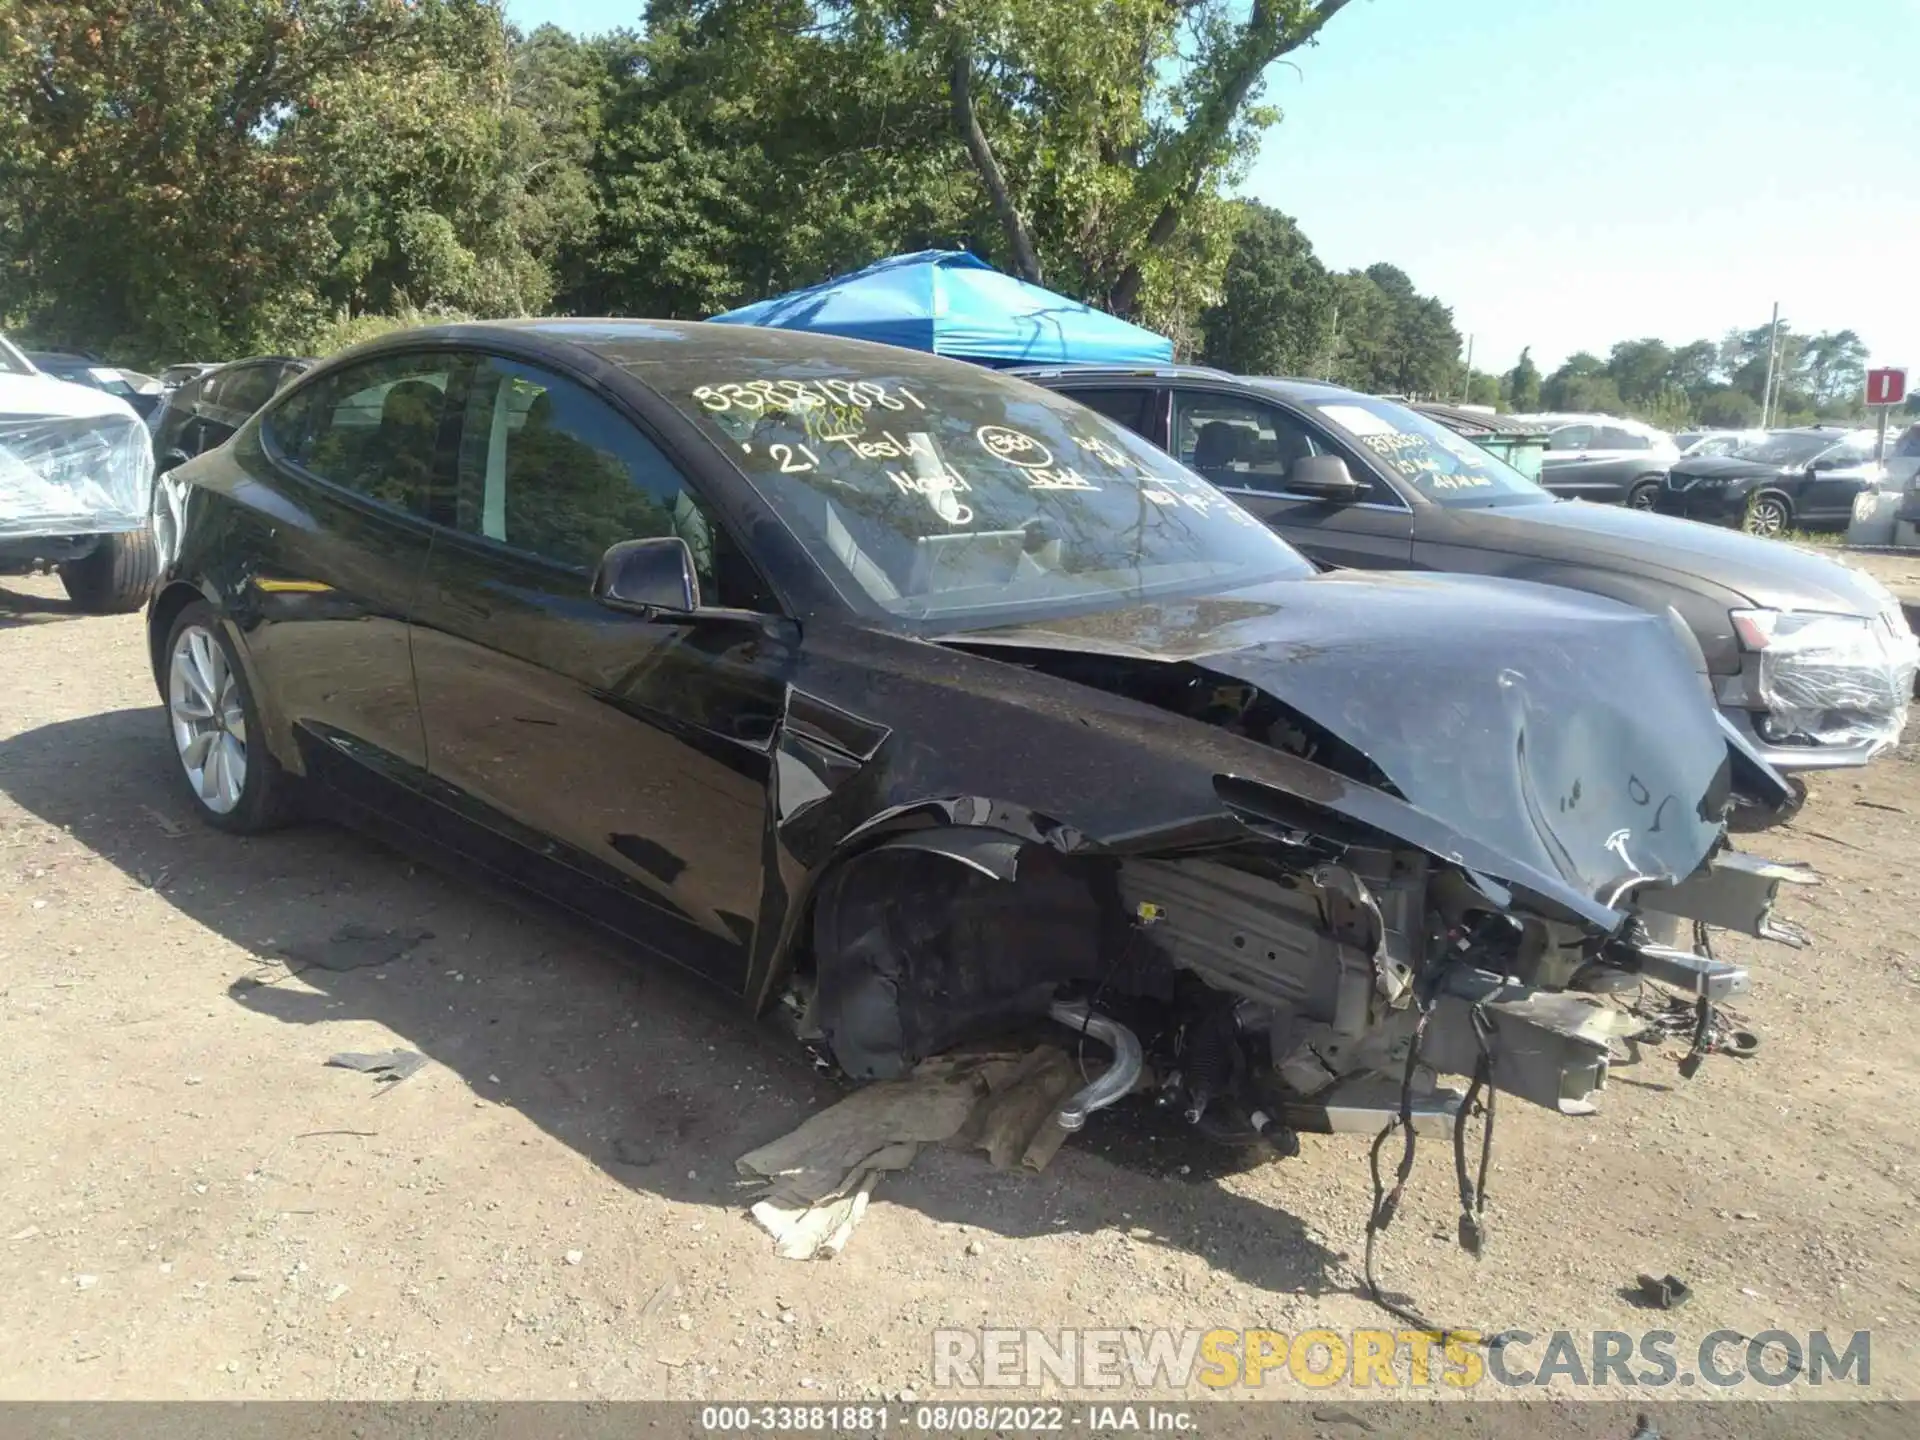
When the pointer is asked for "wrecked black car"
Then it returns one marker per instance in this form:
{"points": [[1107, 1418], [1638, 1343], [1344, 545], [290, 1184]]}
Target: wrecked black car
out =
{"points": [[915, 703]]}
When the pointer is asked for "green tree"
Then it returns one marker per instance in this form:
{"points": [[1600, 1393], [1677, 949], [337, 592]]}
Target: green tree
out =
{"points": [[1728, 409], [1833, 371], [1392, 338], [1134, 112], [1523, 384], [1641, 370], [212, 177], [1695, 367], [1582, 385], [1277, 306]]}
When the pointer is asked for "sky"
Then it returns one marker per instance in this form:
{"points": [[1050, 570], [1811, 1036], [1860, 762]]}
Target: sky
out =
{"points": [[1569, 173]]}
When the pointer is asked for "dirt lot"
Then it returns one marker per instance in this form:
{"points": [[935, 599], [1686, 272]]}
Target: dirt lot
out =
{"points": [[191, 1204]]}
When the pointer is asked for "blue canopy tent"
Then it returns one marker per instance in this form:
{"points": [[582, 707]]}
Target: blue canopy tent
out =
{"points": [[951, 303]]}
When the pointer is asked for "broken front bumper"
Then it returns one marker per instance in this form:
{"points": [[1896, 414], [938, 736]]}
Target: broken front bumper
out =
{"points": [[1553, 1047]]}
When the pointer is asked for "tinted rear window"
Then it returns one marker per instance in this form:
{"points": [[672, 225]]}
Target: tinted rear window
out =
{"points": [[1127, 406]]}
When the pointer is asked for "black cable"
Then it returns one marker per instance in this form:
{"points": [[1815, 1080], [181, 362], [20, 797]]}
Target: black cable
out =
{"points": [[1469, 1239], [1386, 1203]]}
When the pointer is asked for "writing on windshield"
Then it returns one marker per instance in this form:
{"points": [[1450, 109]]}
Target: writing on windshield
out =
{"points": [[942, 490], [1441, 465]]}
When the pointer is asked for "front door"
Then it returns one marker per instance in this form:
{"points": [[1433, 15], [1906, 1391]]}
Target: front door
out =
{"points": [[1247, 447], [1839, 475], [617, 762]]}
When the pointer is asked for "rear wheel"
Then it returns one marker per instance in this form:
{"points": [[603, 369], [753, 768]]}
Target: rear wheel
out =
{"points": [[1767, 515], [232, 776], [116, 576], [1643, 494]]}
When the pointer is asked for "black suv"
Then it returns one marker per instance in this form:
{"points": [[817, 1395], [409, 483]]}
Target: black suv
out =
{"points": [[1804, 478], [1362, 482], [202, 413]]}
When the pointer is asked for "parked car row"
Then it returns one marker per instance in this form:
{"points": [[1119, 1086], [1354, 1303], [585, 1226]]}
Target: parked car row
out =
{"points": [[1768, 481]]}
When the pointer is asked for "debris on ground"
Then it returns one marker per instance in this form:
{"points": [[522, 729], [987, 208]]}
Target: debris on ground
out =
{"points": [[823, 1174], [386, 1066], [169, 827], [1666, 1292], [356, 947]]}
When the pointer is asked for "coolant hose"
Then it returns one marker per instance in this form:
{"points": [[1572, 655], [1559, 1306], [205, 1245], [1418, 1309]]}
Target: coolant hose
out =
{"points": [[1119, 1078]]}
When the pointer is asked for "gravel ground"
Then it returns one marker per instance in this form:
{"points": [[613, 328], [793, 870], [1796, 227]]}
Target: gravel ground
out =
{"points": [[193, 1205]]}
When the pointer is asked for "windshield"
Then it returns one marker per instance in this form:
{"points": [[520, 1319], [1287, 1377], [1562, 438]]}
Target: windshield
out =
{"points": [[1445, 468], [950, 497], [12, 362], [1786, 449]]}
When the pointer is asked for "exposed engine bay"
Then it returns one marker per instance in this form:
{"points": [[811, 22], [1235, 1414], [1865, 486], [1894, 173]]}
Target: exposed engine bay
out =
{"points": [[1300, 966], [1272, 988]]}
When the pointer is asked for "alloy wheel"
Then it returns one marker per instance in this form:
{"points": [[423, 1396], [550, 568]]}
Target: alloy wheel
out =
{"points": [[209, 721], [1766, 517]]}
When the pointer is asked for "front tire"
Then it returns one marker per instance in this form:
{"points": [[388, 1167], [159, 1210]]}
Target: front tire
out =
{"points": [[1751, 819], [115, 577], [1643, 494], [1768, 515], [230, 774]]}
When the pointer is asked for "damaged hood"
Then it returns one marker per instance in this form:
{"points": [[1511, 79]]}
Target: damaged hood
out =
{"points": [[1566, 731]]}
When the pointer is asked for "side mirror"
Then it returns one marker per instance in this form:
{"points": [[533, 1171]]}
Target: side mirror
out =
{"points": [[648, 575], [1825, 462], [1324, 477]]}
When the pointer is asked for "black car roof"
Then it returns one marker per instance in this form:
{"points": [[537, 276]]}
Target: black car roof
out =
{"points": [[1169, 371], [1289, 386], [639, 343]]}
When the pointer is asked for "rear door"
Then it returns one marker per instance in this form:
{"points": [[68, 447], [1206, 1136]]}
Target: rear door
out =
{"points": [[1621, 457], [624, 759], [348, 464], [1247, 446]]}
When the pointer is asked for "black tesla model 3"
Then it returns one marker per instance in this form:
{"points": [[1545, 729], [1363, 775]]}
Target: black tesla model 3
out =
{"points": [[918, 702]]}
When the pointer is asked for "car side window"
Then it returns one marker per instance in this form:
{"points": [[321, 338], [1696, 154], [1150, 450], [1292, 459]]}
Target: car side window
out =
{"points": [[1571, 437], [1128, 406], [1238, 443], [1609, 437], [247, 388], [372, 428], [549, 468]]}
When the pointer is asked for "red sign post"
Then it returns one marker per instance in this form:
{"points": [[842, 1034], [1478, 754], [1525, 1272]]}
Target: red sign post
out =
{"points": [[1886, 388]]}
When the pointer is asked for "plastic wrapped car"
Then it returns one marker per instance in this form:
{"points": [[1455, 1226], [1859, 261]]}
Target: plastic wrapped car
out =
{"points": [[76, 483]]}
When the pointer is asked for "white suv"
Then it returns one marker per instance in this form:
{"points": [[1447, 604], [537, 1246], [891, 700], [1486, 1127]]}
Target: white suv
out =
{"points": [[76, 487]]}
